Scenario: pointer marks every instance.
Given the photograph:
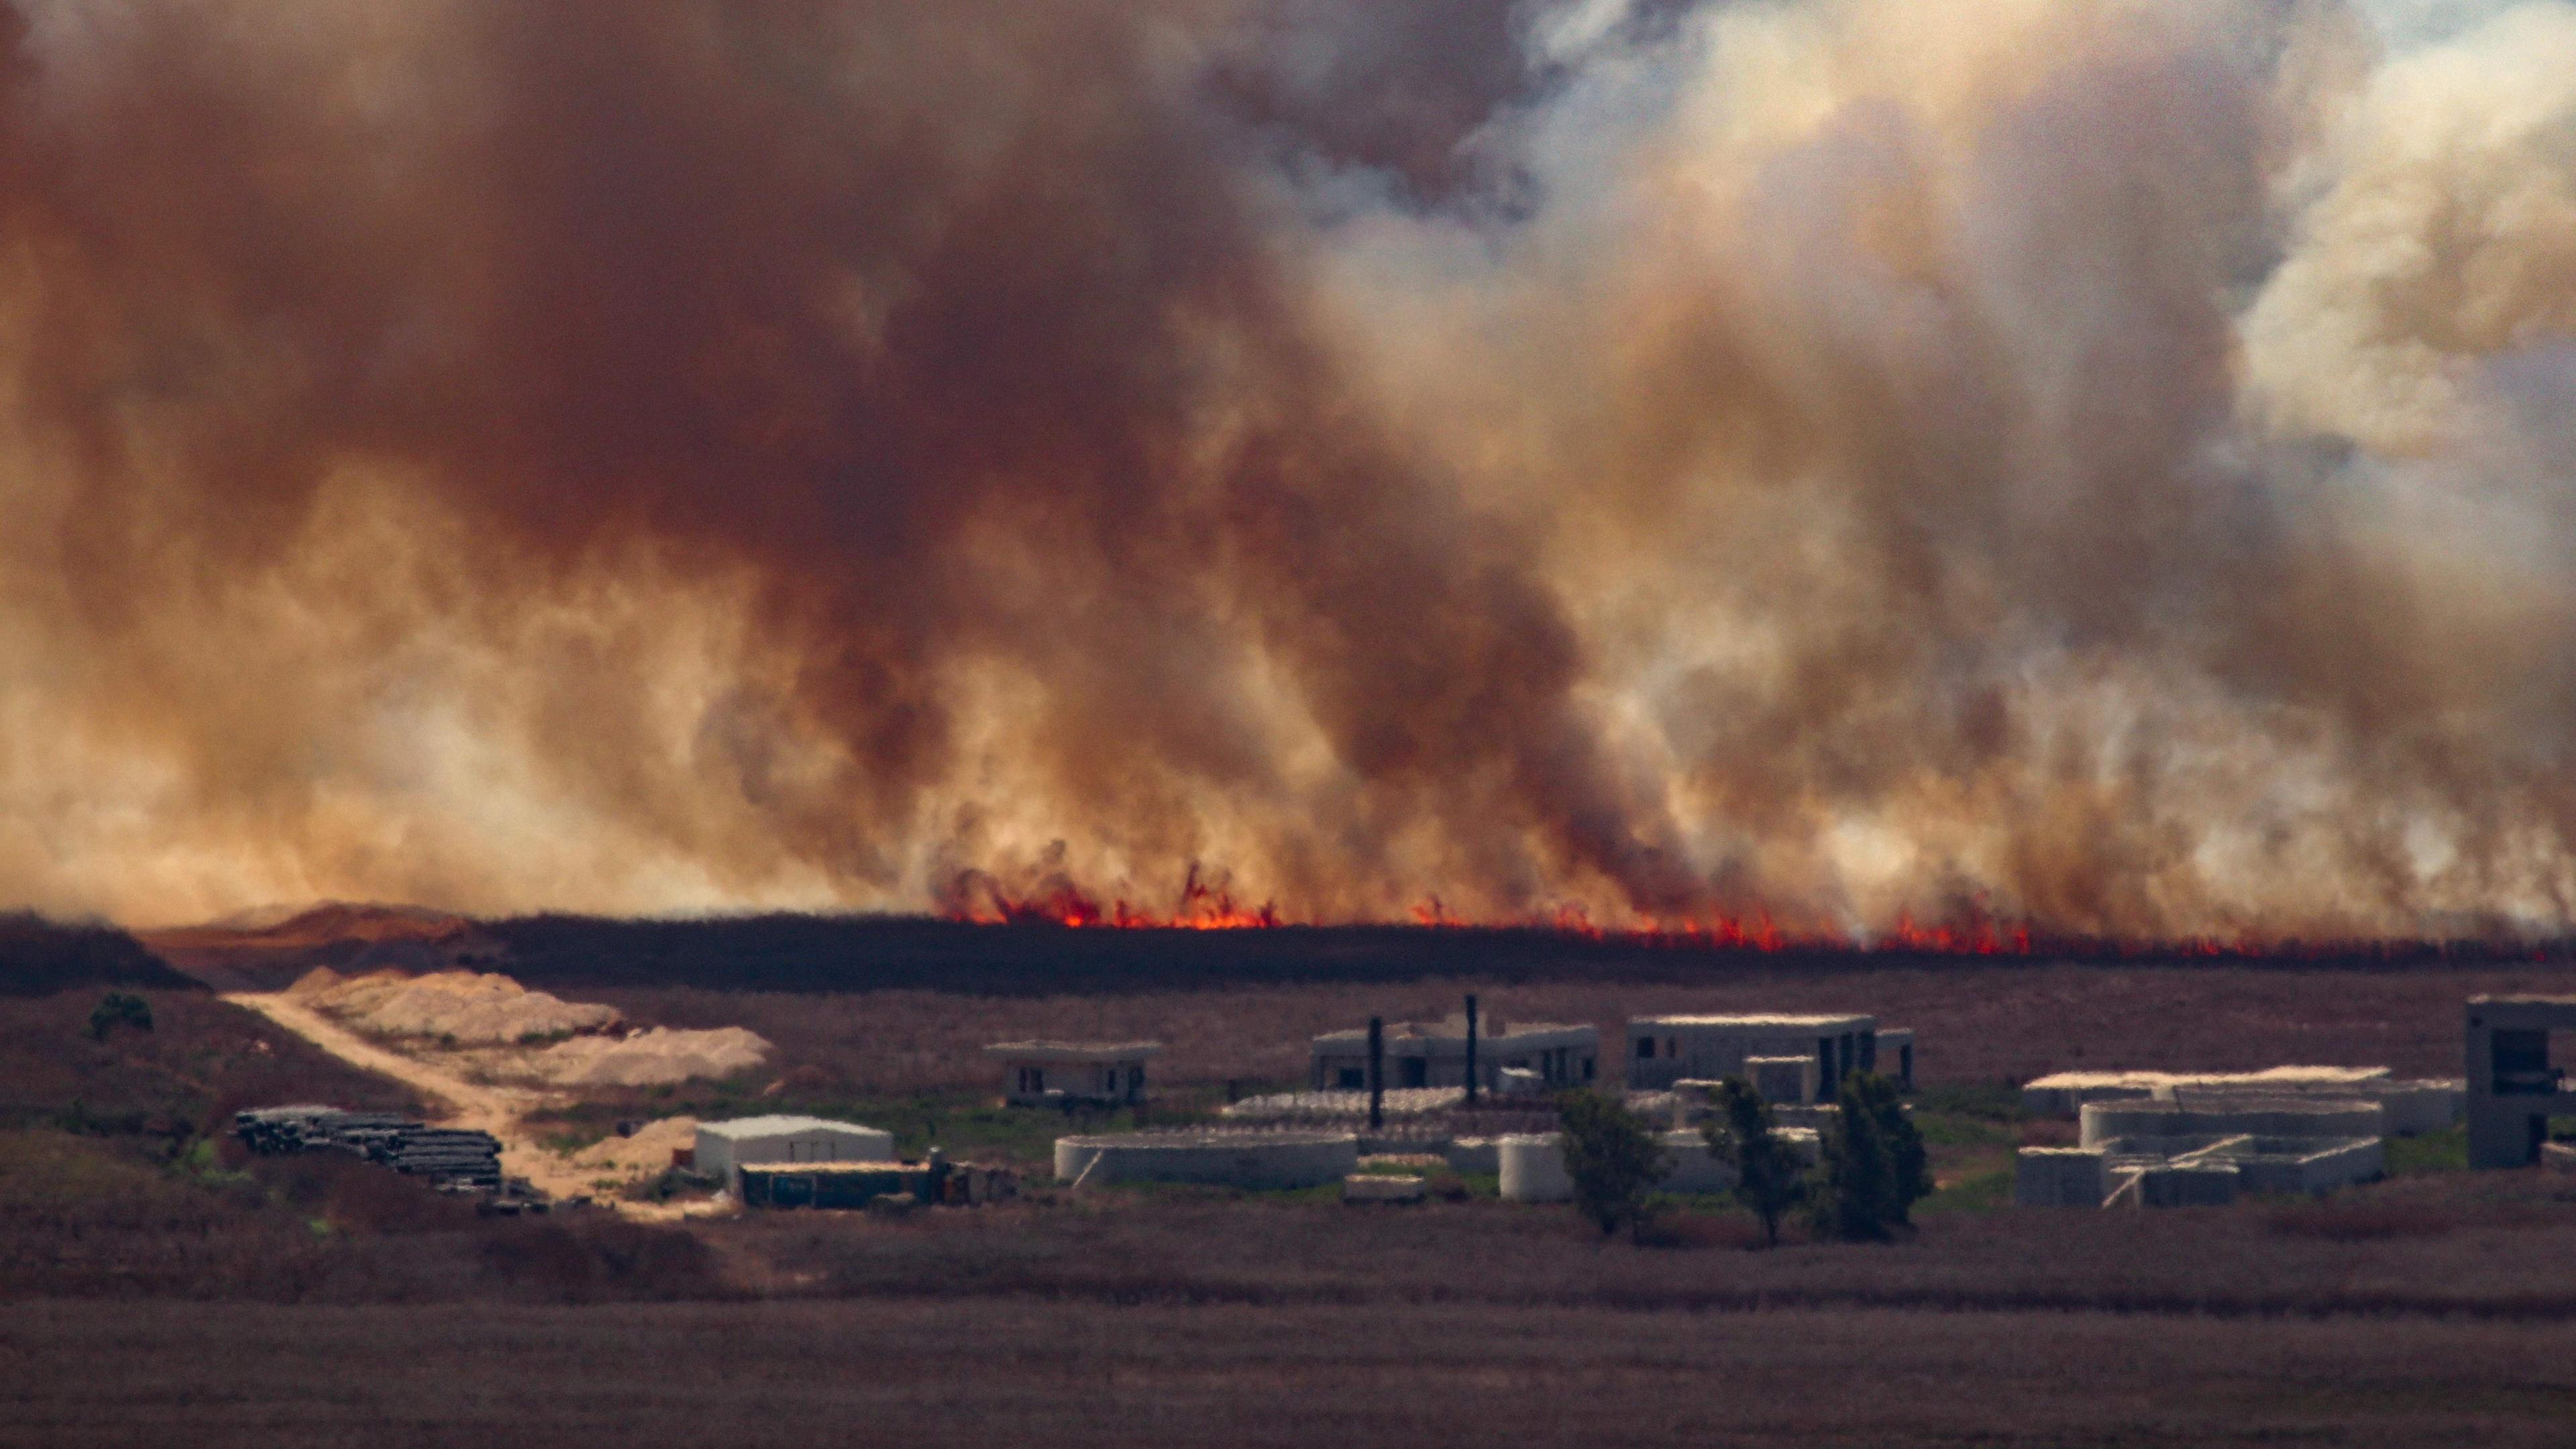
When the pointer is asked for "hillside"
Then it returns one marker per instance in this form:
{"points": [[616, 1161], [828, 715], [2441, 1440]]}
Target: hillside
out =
{"points": [[39, 957], [267, 951]]}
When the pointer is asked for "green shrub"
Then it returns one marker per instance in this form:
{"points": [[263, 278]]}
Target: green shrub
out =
{"points": [[1874, 1167], [1613, 1158], [1769, 1179]]}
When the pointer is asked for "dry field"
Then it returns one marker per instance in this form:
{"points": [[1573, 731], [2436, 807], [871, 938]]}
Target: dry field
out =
{"points": [[1976, 1021], [203, 1059], [909, 1371]]}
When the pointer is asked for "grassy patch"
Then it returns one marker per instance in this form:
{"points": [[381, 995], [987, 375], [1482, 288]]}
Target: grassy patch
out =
{"points": [[1951, 1129], [1980, 1192], [2445, 1151], [1982, 1101]]}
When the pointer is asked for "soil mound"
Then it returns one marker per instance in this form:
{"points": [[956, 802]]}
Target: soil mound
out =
{"points": [[642, 1155], [465, 1008], [650, 1058]]}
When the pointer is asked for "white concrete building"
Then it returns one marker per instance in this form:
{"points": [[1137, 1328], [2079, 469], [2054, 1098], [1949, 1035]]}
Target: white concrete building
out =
{"points": [[1434, 1054], [1663, 1050], [725, 1146], [1073, 1073], [2412, 1106], [2148, 1153]]}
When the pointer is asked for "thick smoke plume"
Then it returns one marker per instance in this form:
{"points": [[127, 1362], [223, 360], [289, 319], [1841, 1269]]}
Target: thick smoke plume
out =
{"points": [[2098, 463]]}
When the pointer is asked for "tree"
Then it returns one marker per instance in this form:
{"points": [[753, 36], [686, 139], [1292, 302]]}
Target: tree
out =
{"points": [[1613, 1159], [119, 1008], [1909, 1166], [1874, 1167], [1769, 1178]]}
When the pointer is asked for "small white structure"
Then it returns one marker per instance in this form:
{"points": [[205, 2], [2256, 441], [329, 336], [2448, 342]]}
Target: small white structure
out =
{"points": [[1434, 1054], [2077, 1177], [1265, 1161], [724, 1147], [1371, 1187], [1533, 1168], [1663, 1050], [1474, 1154], [1073, 1073]]}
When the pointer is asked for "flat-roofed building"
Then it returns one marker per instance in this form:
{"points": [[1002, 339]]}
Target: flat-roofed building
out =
{"points": [[2513, 1088], [1073, 1073], [1663, 1050], [1434, 1054]]}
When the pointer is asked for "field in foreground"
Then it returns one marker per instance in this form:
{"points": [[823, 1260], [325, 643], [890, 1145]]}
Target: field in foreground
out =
{"points": [[910, 1371]]}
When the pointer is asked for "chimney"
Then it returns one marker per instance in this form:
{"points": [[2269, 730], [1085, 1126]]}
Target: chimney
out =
{"points": [[1471, 1049]]}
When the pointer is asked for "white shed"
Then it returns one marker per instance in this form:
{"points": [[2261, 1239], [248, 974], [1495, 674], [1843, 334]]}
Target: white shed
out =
{"points": [[1051, 1073], [724, 1146]]}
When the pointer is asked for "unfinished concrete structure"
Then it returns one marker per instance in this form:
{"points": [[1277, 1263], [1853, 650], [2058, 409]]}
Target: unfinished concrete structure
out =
{"points": [[1435, 1054], [724, 1148], [2148, 1153], [1073, 1073], [1267, 1161], [1663, 1050], [2513, 1090], [2412, 1106]]}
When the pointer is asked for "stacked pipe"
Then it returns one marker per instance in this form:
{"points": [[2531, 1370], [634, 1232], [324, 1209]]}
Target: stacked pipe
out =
{"points": [[448, 1157]]}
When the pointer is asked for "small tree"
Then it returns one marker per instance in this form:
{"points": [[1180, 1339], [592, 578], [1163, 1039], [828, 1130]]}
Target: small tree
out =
{"points": [[1909, 1167], [1769, 1178], [1613, 1158], [119, 1008], [1874, 1168]]}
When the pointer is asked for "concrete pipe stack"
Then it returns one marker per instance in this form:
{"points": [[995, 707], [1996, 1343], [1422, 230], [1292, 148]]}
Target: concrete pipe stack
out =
{"points": [[448, 1157]]}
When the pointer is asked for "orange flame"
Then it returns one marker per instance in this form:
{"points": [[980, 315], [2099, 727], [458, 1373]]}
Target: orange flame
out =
{"points": [[1971, 931], [1059, 902]]}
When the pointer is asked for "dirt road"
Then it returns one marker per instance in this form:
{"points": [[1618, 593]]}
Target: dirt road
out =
{"points": [[462, 1103]]}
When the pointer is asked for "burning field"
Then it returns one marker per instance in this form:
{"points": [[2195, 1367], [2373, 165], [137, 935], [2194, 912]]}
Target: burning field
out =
{"points": [[1848, 471]]}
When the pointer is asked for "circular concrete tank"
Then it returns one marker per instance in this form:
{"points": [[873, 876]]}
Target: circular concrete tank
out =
{"points": [[1533, 1168], [1260, 1160]]}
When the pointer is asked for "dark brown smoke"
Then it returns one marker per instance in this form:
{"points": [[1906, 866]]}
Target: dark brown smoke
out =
{"points": [[1842, 463]]}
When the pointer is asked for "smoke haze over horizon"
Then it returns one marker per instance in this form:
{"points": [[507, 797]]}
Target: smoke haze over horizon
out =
{"points": [[2109, 464]]}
